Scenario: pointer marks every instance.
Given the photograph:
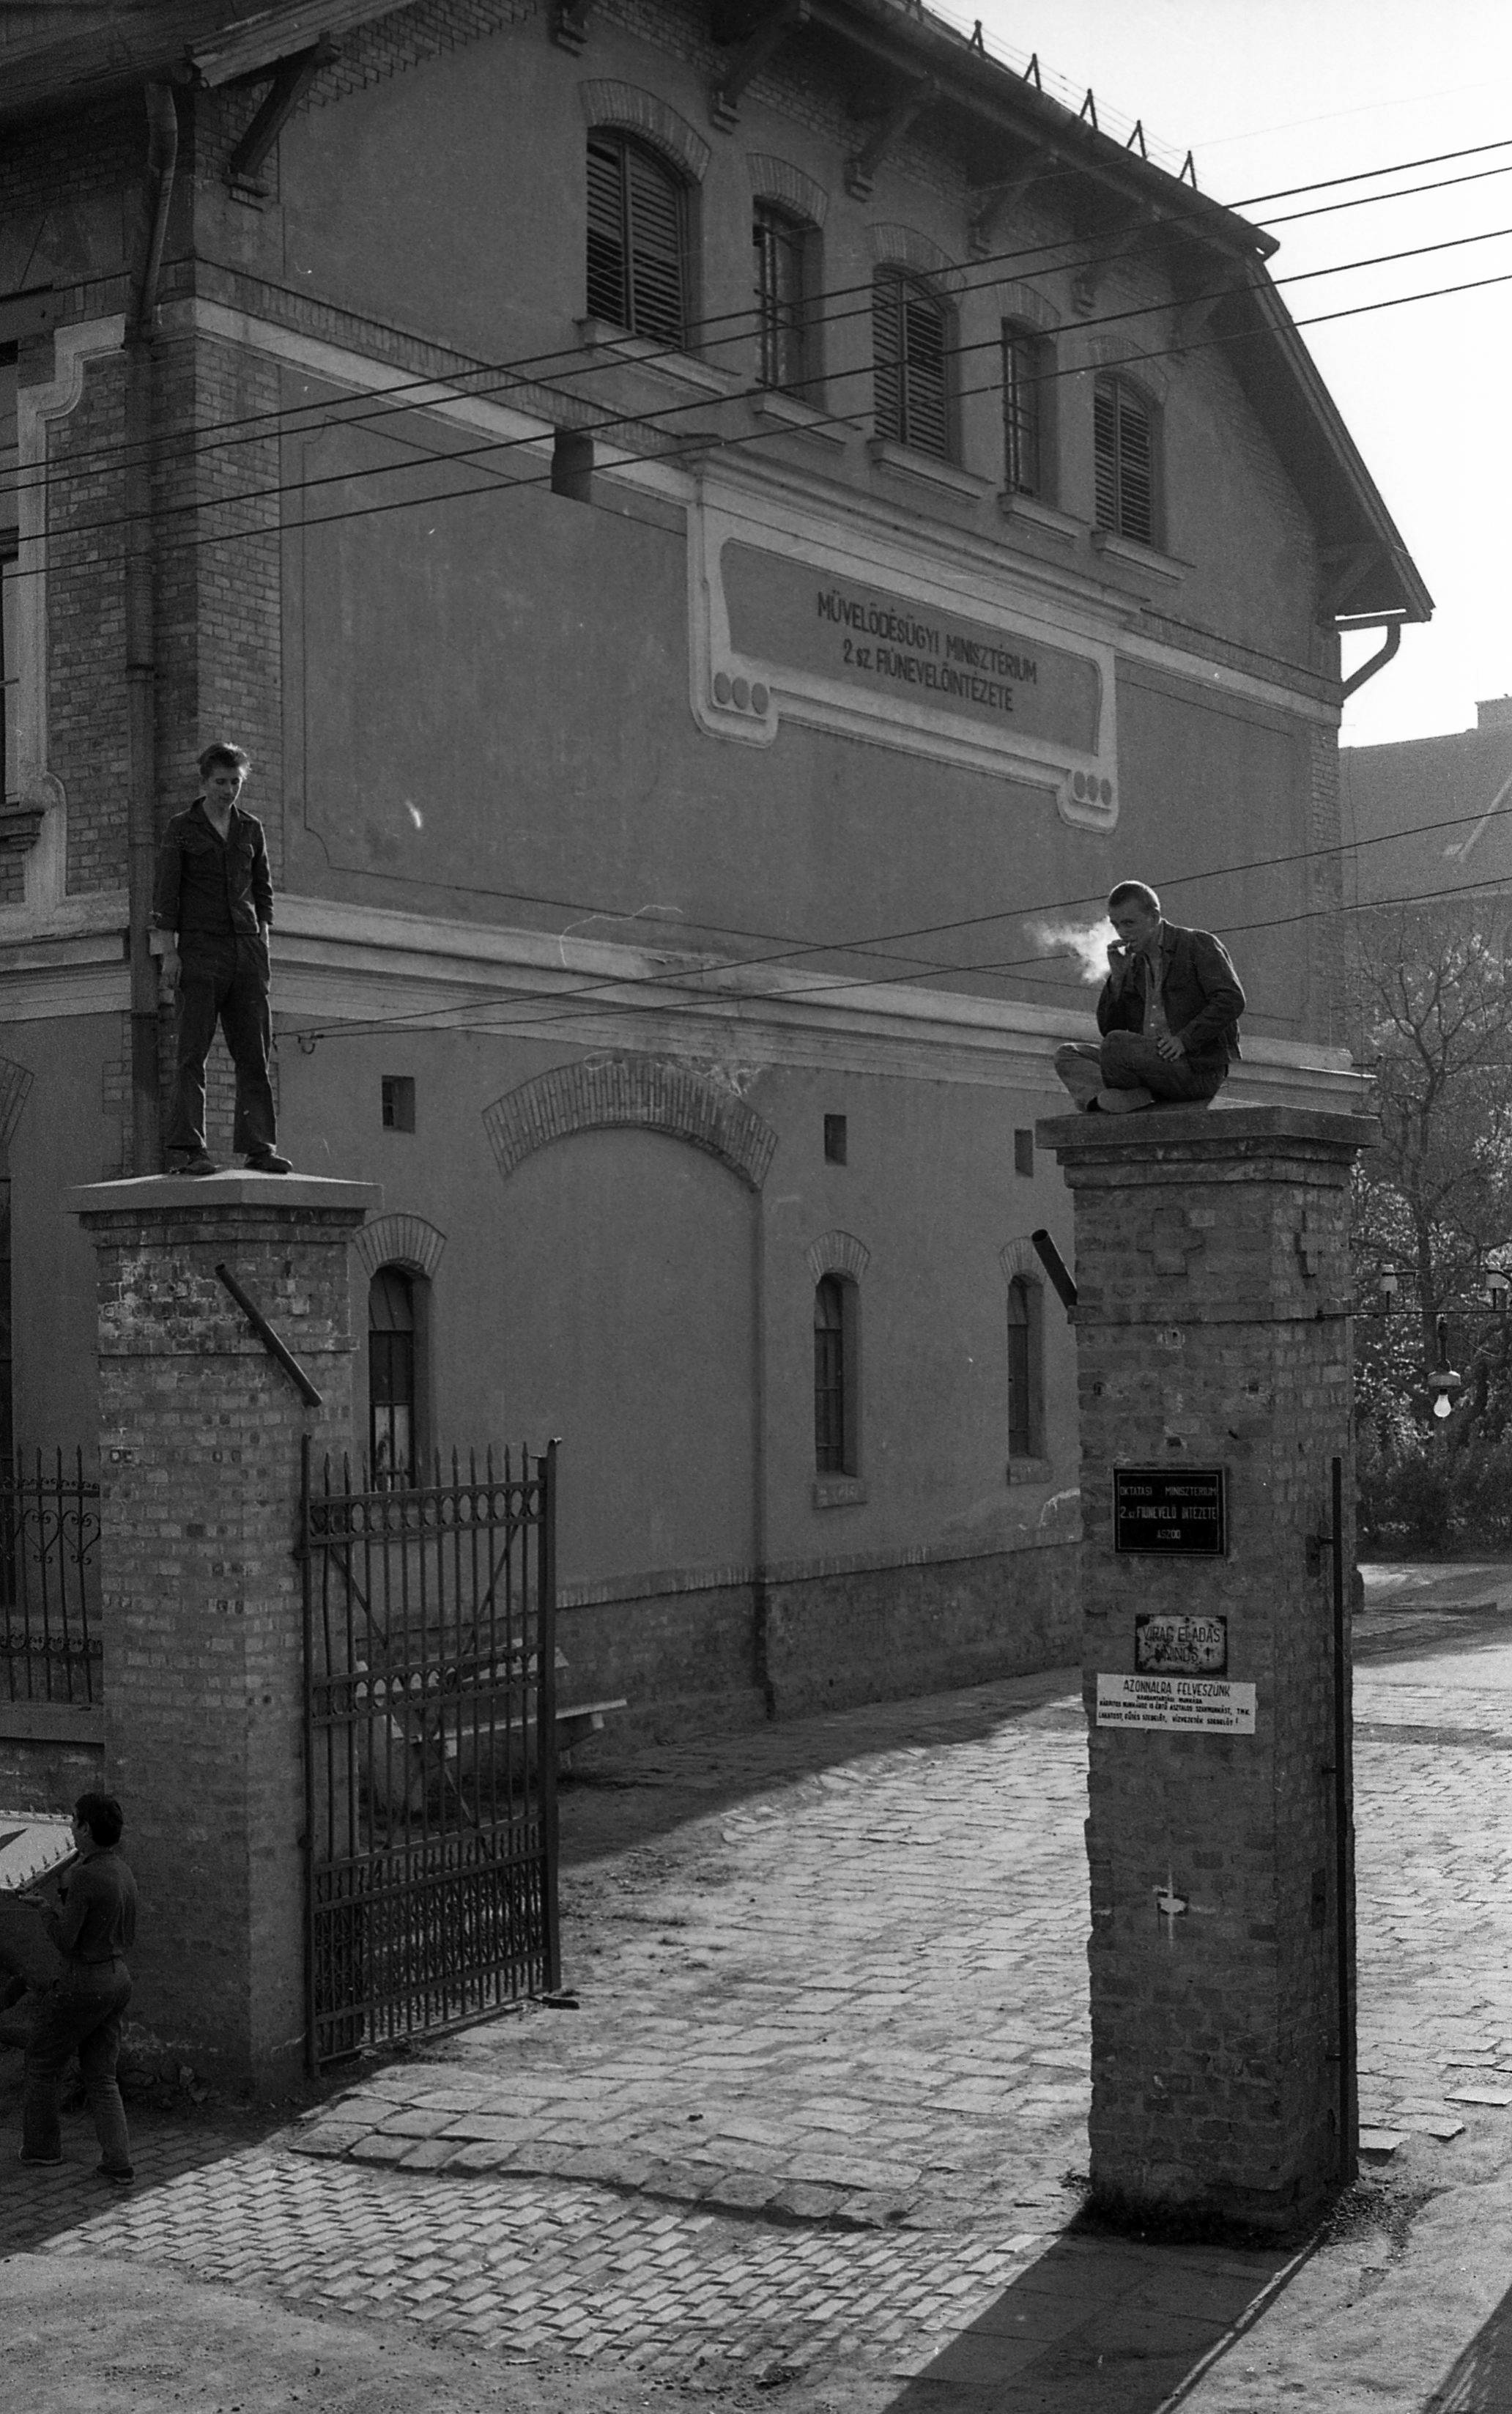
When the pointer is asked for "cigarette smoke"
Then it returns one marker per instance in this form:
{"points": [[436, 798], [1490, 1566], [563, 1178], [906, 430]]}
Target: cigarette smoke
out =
{"points": [[1088, 942]]}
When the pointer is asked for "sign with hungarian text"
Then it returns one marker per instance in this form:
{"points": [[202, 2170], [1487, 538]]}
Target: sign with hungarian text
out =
{"points": [[1183, 1705], [1177, 1512]]}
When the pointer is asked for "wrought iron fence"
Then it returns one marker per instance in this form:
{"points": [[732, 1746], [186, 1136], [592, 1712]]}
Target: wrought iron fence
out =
{"points": [[430, 1661], [50, 1639]]}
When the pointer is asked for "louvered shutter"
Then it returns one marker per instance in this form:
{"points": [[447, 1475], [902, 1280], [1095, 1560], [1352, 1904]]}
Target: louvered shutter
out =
{"points": [[924, 422], [656, 249], [1125, 455], [1106, 455], [1136, 483], [887, 357], [607, 295]]}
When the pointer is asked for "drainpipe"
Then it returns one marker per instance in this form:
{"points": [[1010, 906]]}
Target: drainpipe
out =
{"points": [[1377, 661], [140, 646]]}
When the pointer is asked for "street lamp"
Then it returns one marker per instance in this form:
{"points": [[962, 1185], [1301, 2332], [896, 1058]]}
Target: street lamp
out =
{"points": [[1444, 1380]]}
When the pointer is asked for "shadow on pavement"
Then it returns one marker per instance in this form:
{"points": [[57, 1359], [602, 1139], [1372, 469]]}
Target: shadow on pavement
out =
{"points": [[619, 1795], [1481, 2379], [1102, 2325], [1437, 1633]]}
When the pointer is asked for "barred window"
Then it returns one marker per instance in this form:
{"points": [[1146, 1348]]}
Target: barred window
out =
{"points": [[782, 245], [1026, 1407], [1023, 372], [1123, 447], [908, 348], [637, 240], [392, 1440], [836, 1367]]}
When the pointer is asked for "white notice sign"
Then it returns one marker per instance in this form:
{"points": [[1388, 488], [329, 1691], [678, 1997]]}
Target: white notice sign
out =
{"points": [[1198, 1705]]}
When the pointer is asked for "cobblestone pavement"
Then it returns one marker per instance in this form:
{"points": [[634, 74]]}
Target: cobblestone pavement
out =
{"points": [[814, 2115]]}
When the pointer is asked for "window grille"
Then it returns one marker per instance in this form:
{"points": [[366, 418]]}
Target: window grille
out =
{"points": [[1026, 1405], [832, 1437], [1022, 360], [637, 240], [391, 1381], [780, 246], [1123, 448], [908, 332]]}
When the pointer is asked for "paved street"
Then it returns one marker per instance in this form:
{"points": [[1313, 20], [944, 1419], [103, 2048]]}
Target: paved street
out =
{"points": [[817, 2120]]}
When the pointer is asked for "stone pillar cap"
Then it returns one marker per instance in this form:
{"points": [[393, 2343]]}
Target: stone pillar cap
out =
{"points": [[170, 1194], [1210, 1130]]}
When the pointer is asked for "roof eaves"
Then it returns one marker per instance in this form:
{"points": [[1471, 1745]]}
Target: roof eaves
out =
{"points": [[1001, 95]]}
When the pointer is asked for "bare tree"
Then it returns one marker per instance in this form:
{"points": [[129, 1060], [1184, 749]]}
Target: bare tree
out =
{"points": [[1433, 988]]}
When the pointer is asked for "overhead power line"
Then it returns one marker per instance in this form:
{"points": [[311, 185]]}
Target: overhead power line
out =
{"points": [[622, 421], [538, 368]]}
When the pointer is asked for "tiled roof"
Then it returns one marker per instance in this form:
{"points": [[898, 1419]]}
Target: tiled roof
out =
{"points": [[1417, 818]]}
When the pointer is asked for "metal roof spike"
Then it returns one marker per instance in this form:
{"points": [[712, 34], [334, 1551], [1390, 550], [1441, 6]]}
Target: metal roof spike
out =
{"points": [[1189, 172], [1138, 136], [977, 42], [1034, 69], [1089, 110]]}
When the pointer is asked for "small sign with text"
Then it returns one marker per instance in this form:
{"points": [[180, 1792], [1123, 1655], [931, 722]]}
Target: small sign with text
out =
{"points": [[1188, 1704]]}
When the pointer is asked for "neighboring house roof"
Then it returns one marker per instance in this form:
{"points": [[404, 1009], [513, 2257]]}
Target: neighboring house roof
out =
{"points": [[1430, 814], [894, 57]]}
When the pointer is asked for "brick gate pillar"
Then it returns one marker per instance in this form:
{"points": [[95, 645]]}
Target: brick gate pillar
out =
{"points": [[1213, 1350], [200, 1482]]}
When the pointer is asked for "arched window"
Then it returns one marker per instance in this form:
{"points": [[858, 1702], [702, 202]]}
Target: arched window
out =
{"points": [[837, 1421], [1023, 374], [1123, 448], [637, 239], [783, 247], [909, 330], [1026, 1381], [392, 1375]]}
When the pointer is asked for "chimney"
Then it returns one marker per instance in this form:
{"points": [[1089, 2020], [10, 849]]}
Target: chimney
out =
{"points": [[1497, 713]]}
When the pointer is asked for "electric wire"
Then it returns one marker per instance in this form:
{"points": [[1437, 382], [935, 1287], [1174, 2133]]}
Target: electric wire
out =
{"points": [[508, 1022], [622, 421], [831, 984], [538, 368]]}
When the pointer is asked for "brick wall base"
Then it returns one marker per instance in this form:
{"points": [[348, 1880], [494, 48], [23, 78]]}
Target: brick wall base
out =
{"points": [[730, 1655], [200, 1434]]}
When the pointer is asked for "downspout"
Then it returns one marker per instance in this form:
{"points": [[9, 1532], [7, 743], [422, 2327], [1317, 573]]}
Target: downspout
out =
{"points": [[1376, 661], [140, 642]]}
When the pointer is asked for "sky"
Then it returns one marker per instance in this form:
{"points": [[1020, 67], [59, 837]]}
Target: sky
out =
{"points": [[1268, 93]]}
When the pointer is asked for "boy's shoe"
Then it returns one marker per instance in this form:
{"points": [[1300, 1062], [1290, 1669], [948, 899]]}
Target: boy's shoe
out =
{"points": [[39, 2162], [268, 1160], [1124, 1102], [117, 2179], [199, 1161]]}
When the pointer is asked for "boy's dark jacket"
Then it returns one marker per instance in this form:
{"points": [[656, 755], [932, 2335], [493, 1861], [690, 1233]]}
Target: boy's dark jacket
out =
{"points": [[1199, 990]]}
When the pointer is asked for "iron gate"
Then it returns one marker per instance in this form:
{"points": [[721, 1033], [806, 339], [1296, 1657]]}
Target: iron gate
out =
{"points": [[430, 1748], [50, 1636]]}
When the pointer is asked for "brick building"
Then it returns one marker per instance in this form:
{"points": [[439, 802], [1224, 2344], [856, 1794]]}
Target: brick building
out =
{"points": [[1428, 817], [716, 527]]}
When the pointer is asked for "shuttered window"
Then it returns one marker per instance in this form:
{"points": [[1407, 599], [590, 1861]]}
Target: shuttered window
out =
{"points": [[780, 246], [1023, 358], [636, 240], [1123, 446], [908, 339]]}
